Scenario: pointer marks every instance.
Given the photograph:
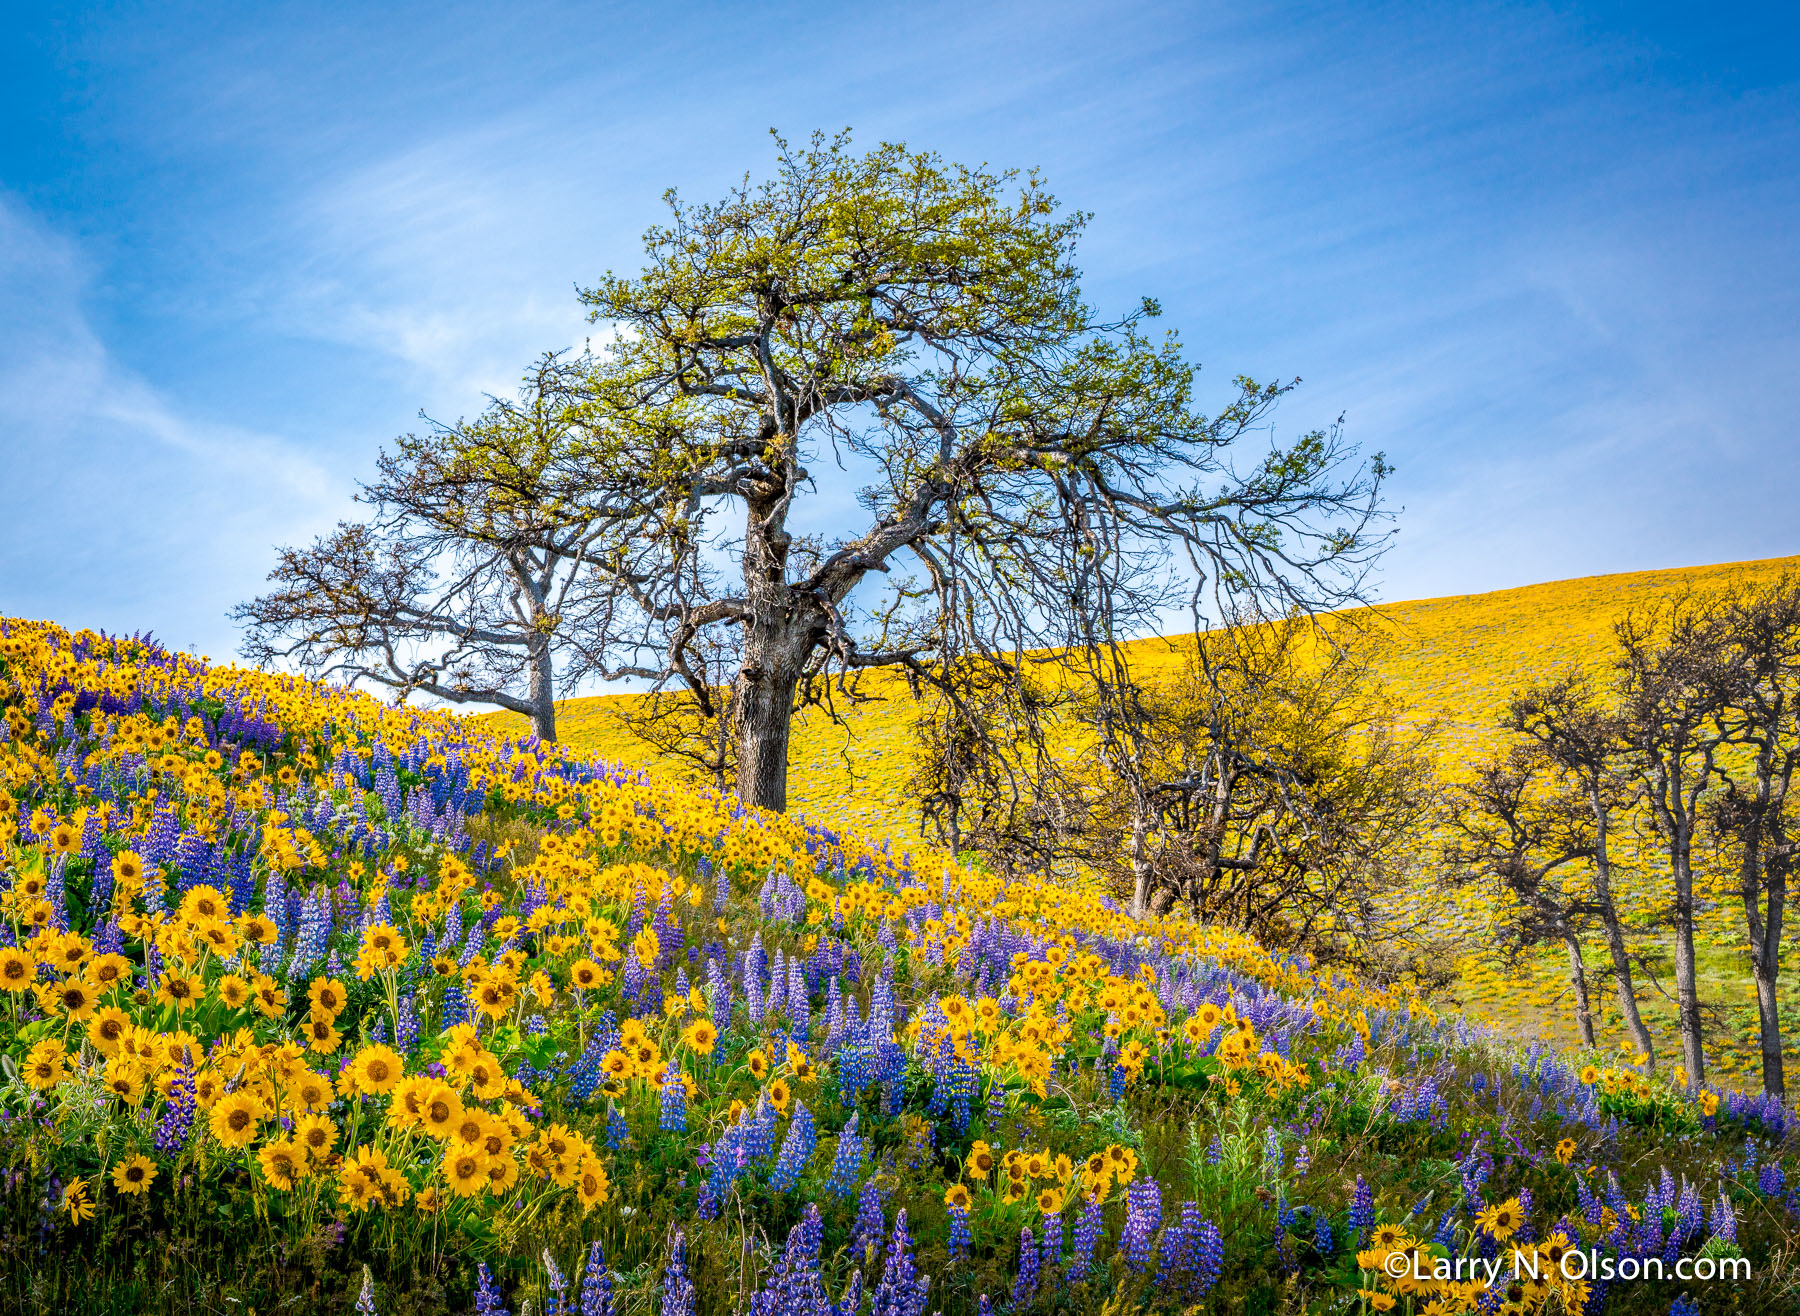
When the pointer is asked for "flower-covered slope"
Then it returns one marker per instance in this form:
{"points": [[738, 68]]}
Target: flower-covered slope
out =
{"points": [[313, 1002]]}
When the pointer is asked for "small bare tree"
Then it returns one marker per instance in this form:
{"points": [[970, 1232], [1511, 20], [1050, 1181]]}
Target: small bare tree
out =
{"points": [[1566, 718], [1673, 686], [1760, 720], [1511, 824], [469, 583]]}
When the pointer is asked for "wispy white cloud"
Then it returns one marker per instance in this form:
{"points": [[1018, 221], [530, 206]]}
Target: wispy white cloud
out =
{"points": [[124, 508]]}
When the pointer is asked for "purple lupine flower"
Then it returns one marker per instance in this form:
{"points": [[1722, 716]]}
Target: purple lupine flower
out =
{"points": [[1362, 1209], [796, 1149], [1175, 1257], [596, 1284], [796, 1289], [851, 1303], [674, 1100], [1209, 1258], [902, 1289], [1087, 1234], [365, 1300], [487, 1293], [1143, 1213], [1724, 1220], [846, 1166], [871, 1220], [557, 1284], [960, 1238], [1026, 1281], [678, 1294], [178, 1119]]}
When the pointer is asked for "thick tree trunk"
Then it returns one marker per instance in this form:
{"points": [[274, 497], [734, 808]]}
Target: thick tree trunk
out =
{"points": [[765, 702], [543, 690], [1615, 936]]}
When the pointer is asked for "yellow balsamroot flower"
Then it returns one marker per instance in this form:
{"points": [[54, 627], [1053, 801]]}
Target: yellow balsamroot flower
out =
{"points": [[234, 1117], [271, 1001], [320, 1035], [542, 987], [465, 1169], [328, 997], [65, 838], [68, 952], [257, 928], [496, 1139], [17, 972], [217, 936], [502, 1173], [134, 1176], [77, 1203], [44, 1064], [779, 1095], [1565, 1150], [487, 1080], [282, 1163], [181, 990], [316, 1135], [203, 903], [591, 1184], [1501, 1220], [109, 971], [980, 1161], [1709, 1103], [440, 1110], [700, 1036], [376, 1069], [72, 998], [471, 1128], [125, 1081], [209, 1086], [958, 1197], [585, 976], [233, 991], [495, 997], [308, 1090]]}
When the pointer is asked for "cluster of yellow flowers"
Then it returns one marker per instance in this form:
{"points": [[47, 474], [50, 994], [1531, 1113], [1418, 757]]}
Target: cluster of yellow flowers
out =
{"points": [[1014, 1175], [1401, 1270]]}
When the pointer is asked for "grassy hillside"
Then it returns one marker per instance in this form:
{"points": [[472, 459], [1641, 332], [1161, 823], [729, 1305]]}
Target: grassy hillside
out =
{"points": [[310, 1004], [1454, 659]]}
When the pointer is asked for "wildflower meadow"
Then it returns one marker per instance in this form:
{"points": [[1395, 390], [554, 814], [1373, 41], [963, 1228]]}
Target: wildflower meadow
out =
{"points": [[315, 1004]]}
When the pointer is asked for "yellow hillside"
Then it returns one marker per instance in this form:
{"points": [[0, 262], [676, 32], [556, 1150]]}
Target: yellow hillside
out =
{"points": [[1454, 658]]}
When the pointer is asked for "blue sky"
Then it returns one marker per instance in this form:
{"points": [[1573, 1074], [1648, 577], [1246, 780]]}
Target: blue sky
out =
{"points": [[1542, 255]]}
